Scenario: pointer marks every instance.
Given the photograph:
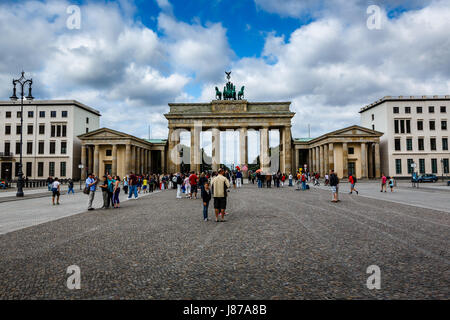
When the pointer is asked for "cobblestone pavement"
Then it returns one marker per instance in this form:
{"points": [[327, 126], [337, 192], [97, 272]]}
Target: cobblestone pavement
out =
{"points": [[275, 244]]}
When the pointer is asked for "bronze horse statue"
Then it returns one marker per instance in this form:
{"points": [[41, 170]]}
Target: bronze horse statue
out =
{"points": [[218, 94], [241, 93]]}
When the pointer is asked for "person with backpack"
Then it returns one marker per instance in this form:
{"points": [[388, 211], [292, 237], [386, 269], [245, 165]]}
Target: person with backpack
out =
{"points": [[352, 180], [116, 192], [334, 181], [70, 187], [303, 181], [206, 197], [179, 182]]}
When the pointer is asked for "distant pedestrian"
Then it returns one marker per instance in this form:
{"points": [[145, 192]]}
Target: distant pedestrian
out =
{"points": [[179, 185], [70, 187], [383, 182], [290, 179], [91, 185], [133, 184], [220, 184], [55, 191], [116, 192], [352, 180], [105, 193], [125, 185], [334, 181], [206, 197], [391, 183], [238, 178], [49, 183]]}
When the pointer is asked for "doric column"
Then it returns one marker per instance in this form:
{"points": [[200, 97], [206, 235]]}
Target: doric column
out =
{"points": [[363, 161], [114, 160], [127, 158], [215, 149], [195, 148], [322, 167], [310, 161], [313, 167], [97, 159], [90, 159], [142, 167], [344, 160], [330, 156], [137, 156], [163, 161], [371, 173], [243, 158], [296, 161], [83, 161], [173, 160], [264, 158], [133, 159], [287, 149], [377, 160], [317, 169], [325, 159]]}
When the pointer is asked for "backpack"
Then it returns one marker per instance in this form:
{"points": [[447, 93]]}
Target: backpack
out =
{"points": [[111, 187], [174, 179], [354, 179]]}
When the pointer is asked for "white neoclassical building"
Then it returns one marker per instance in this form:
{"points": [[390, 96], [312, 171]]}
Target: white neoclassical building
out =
{"points": [[51, 146], [415, 131]]}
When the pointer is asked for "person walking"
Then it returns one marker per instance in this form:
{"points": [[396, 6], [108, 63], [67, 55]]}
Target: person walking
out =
{"points": [[125, 185], [303, 178], [116, 192], [70, 187], [238, 178], [220, 184], [91, 185], [55, 191], [383, 182], [391, 184], [105, 193], [132, 183], [352, 180], [290, 179], [206, 197], [49, 183], [334, 181], [193, 183]]}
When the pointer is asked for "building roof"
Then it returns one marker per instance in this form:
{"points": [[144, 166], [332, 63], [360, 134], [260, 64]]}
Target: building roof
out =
{"points": [[351, 131], [119, 134], [51, 103], [403, 98], [156, 141], [303, 139]]}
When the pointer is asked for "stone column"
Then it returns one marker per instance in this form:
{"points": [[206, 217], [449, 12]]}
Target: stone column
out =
{"points": [[377, 160], [195, 148], [173, 160], [163, 161], [345, 159], [325, 160], [83, 162], [296, 161], [114, 160], [322, 167], [142, 167], [264, 158], [133, 159], [310, 161], [317, 159], [97, 160], [287, 149], [331, 156], [150, 161], [136, 159], [215, 149], [363, 161], [313, 156], [243, 157], [127, 158], [371, 173], [90, 159]]}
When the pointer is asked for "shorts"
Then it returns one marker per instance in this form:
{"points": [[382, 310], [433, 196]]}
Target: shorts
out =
{"points": [[333, 189], [194, 188], [352, 185], [145, 187], [55, 192], [220, 203]]}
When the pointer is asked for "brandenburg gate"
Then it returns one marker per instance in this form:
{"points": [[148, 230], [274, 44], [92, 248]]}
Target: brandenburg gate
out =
{"points": [[229, 114]]}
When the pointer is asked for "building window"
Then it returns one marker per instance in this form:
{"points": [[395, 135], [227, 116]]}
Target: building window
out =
{"points": [[29, 147], [407, 109], [41, 147], [397, 145], [396, 110], [396, 126], [419, 125], [40, 169], [62, 168], [373, 117], [408, 126], [18, 148], [30, 114], [18, 129], [398, 166], [53, 114], [433, 144], [373, 127], [420, 144], [432, 125], [445, 144], [7, 147], [53, 131], [64, 131], [51, 169], [8, 114], [87, 130], [409, 144], [433, 165], [443, 109], [64, 114], [419, 109], [430, 109], [444, 125], [402, 126], [350, 150], [58, 131], [52, 147], [30, 129], [410, 168], [109, 152], [87, 120], [42, 129], [445, 165], [7, 129], [422, 166], [28, 172], [41, 114], [63, 147], [19, 114]]}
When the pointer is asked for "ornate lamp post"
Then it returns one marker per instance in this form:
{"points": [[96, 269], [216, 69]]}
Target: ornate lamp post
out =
{"points": [[22, 82]]}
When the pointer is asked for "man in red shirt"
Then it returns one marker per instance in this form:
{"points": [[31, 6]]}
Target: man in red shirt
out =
{"points": [[193, 182], [352, 181]]}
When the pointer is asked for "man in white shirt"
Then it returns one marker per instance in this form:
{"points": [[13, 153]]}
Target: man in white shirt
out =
{"points": [[55, 191]]}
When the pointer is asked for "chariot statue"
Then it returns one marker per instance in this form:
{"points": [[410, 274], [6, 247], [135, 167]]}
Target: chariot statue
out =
{"points": [[229, 90]]}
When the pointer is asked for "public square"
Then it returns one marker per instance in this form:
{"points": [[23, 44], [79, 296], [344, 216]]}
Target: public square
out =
{"points": [[277, 243]]}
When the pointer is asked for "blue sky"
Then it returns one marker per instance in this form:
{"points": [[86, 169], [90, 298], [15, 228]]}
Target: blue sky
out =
{"points": [[133, 57]]}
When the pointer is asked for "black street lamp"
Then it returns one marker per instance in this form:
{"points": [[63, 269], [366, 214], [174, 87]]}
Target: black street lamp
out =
{"points": [[21, 82]]}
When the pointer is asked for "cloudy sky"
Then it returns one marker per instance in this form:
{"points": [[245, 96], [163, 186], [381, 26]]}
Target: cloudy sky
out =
{"points": [[129, 58]]}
